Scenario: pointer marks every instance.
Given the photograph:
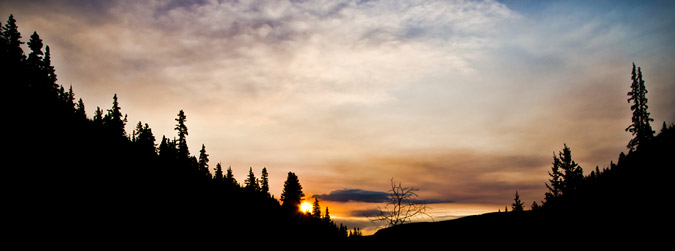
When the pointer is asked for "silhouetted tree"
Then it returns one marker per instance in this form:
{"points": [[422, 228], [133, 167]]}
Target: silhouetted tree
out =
{"points": [[316, 209], [264, 181], [48, 68], [535, 206], [13, 41], [35, 56], [640, 127], [144, 138], [204, 162], [517, 205], [229, 178], [251, 183], [218, 176], [79, 111], [402, 206], [114, 119], [182, 135], [98, 116], [292, 194], [326, 216], [566, 175]]}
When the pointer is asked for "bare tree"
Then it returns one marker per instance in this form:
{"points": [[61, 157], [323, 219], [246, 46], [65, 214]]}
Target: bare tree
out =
{"points": [[402, 206]]}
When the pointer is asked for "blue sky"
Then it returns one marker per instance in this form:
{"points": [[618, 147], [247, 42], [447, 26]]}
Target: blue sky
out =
{"points": [[466, 100]]}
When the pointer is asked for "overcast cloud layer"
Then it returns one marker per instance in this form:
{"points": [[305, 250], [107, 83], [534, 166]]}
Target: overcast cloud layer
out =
{"points": [[466, 100]]}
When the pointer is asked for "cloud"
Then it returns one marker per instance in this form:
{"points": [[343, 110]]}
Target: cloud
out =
{"points": [[354, 195]]}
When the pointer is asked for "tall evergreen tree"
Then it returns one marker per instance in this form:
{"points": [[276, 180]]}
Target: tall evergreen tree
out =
{"points": [[229, 178], [316, 209], [517, 205], [566, 175], [98, 116], [182, 134], [251, 183], [48, 68], [264, 181], [218, 177], [13, 41], [35, 56], [114, 118], [292, 194], [204, 162], [640, 128], [79, 110]]}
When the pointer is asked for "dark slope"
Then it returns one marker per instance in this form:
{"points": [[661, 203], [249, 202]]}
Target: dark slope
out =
{"points": [[625, 205]]}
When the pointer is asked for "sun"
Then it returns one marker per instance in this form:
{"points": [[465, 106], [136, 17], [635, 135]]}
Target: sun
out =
{"points": [[305, 207]]}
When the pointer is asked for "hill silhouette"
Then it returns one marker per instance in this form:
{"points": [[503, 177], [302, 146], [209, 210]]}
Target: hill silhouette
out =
{"points": [[624, 204], [75, 180]]}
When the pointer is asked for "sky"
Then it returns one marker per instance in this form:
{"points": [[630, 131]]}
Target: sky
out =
{"points": [[465, 100]]}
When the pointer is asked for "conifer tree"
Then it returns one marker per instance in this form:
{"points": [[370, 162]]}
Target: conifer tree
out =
{"points": [[35, 56], [218, 177], [517, 205], [79, 110], [114, 118], [98, 116], [182, 135], [251, 183], [204, 162], [326, 216], [13, 41], [316, 209], [48, 68], [264, 181], [640, 128], [292, 194], [229, 178]]}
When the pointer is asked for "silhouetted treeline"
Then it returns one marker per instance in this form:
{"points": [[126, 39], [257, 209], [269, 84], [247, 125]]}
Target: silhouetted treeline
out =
{"points": [[73, 179], [625, 204]]}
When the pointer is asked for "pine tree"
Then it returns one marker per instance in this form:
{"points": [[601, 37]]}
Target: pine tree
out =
{"points": [[292, 194], [517, 205], [182, 135], [204, 162], [98, 116], [573, 174], [229, 178], [264, 182], [13, 41], [35, 56], [316, 209], [640, 127], [79, 110], [251, 183], [114, 118], [326, 216], [566, 175], [218, 177], [48, 68]]}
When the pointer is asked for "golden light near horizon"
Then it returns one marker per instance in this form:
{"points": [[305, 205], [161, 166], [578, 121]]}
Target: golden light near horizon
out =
{"points": [[305, 207]]}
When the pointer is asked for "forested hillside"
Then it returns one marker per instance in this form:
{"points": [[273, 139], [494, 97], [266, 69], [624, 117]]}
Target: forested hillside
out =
{"points": [[70, 177]]}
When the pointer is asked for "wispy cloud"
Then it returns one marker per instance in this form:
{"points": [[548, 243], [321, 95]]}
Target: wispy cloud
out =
{"points": [[466, 100]]}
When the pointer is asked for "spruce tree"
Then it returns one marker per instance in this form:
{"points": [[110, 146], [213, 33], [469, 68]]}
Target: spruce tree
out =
{"points": [[218, 177], [640, 128], [316, 209], [517, 205], [12, 37], [229, 178], [264, 182], [79, 110], [35, 56], [114, 118], [204, 162], [251, 183], [292, 194], [182, 134]]}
